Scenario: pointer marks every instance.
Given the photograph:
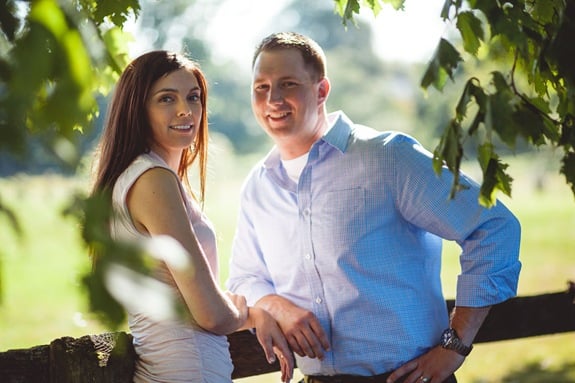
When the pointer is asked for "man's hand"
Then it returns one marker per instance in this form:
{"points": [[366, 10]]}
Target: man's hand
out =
{"points": [[436, 365], [300, 327]]}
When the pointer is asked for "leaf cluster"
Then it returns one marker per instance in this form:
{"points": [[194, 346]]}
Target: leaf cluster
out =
{"points": [[116, 265], [530, 96], [54, 57]]}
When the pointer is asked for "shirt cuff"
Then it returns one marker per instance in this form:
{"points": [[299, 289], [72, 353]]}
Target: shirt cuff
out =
{"points": [[255, 291], [487, 290]]}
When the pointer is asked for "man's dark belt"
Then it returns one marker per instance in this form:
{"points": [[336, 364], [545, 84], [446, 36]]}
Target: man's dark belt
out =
{"points": [[382, 378], [347, 378]]}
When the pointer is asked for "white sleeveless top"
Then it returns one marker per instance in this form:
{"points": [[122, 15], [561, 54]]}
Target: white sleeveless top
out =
{"points": [[171, 351]]}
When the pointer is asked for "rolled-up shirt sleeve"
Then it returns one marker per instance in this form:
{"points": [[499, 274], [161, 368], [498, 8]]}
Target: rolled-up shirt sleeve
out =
{"points": [[489, 260], [489, 237]]}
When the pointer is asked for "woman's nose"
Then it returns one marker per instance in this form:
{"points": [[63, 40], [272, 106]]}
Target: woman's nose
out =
{"points": [[184, 110]]}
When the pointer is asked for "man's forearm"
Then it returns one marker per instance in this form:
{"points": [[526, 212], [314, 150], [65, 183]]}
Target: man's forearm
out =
{"points": [[467, 321]]}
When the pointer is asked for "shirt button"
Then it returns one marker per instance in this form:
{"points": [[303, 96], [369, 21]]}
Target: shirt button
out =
{"points": [[306, 212], [318, 300], [307, 256]]}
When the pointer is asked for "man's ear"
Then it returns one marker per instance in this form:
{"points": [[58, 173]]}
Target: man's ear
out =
{"points": [[323, 90]]}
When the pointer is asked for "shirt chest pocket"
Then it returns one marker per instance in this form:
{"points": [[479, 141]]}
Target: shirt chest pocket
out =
{"points": [[339, 219]]}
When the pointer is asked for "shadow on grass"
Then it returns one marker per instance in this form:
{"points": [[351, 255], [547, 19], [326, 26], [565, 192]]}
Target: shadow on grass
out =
{"points": [[536, 372]]}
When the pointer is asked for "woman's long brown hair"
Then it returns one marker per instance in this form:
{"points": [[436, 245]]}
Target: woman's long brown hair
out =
{"points": [[127, 132]]}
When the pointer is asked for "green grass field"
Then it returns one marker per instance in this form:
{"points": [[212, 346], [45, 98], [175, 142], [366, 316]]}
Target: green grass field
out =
{"points": [[42, 299]]}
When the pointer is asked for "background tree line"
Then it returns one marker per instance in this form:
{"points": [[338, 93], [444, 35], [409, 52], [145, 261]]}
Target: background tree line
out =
{"points": [[515, 86], [385, 95]]}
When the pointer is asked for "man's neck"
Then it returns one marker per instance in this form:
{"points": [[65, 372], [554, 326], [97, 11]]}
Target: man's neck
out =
{"points": [[296, 146]]}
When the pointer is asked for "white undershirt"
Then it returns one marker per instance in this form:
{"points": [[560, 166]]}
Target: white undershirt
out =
{"points": [[295, 166]]}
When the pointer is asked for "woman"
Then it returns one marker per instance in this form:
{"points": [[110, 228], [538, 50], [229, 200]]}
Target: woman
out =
{"points": [[156, 128]]}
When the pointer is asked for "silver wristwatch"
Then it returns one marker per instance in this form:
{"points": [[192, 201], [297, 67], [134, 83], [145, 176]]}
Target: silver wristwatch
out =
{"points": [[450, 341]]}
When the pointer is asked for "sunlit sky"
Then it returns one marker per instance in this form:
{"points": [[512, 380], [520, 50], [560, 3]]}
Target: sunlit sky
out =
{"points": [[406, 36]]}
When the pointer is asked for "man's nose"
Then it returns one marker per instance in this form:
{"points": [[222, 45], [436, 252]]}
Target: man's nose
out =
{"points": [[276, 95]]}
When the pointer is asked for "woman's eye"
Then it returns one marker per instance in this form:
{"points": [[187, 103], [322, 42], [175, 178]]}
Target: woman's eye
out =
{"points": [[166, 99], [194, 98]]}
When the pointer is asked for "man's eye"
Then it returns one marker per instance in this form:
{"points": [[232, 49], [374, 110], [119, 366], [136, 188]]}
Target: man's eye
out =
{"points": [[260, 88]]}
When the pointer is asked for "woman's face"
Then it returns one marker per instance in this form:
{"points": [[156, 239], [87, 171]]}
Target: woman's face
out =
{"points": [[174, 110]]}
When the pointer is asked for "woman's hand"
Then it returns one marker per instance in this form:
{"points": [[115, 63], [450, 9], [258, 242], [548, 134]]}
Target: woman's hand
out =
{"points": [[240, 302], [272, 341]]}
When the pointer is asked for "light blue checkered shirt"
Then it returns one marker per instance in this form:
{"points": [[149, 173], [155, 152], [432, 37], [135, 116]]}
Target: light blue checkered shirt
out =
{"points": [[358, 242]]}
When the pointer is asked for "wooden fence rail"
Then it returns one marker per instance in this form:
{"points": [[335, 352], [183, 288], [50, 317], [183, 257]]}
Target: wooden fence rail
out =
{"points": [[107, 358]]}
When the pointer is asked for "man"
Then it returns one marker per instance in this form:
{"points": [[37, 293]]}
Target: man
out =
{"points": [[339, 236]]}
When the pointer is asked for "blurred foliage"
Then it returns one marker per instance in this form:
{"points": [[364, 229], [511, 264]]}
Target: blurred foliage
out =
{"points": [[530, 96], [55, 58], [122, 273], [95, 212]]}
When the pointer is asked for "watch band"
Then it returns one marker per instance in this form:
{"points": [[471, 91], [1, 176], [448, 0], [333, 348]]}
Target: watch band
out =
{"points": [[451, 341]]}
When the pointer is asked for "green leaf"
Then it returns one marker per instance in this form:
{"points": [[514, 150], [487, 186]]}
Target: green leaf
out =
{"points": [[396, 4], [494, 175], [449, 151], [477, 120], [500, 108], [445, 9], [471, 31], [532, 122], [568, 169], [562, 49], [101, 303], [375, 6], [346, 9], [471, 91], [34, 47], [9, 23], [567, 139], [443, 63], [545, 11], [115, 11], [116, 42]]}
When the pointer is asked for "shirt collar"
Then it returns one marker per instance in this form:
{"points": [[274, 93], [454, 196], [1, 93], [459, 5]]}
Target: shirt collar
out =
{"points": [[339, 131], [337, 135]]}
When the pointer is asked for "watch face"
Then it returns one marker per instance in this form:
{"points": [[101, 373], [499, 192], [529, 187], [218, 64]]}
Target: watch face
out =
{"points": [[447, 337], [450, 341]]}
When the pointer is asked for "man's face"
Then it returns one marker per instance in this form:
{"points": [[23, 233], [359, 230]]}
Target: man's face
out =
{"points": [[286, 99]]}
